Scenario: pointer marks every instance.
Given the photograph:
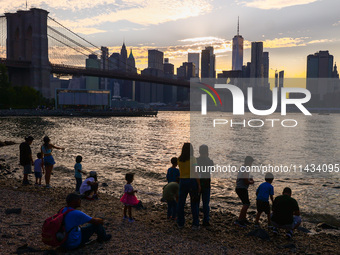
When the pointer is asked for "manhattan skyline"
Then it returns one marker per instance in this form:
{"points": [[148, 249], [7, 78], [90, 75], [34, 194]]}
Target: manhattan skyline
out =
{"points": [[290, 30]]}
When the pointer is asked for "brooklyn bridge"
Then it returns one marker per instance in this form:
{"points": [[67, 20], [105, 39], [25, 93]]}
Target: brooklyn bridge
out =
{"points": [[33, 46]]}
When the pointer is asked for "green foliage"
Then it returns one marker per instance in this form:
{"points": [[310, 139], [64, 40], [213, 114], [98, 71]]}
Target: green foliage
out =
{"points": [[4, 82], [5, 88], [18, 97]]}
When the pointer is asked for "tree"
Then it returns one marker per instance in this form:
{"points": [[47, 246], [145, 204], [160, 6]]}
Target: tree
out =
{"points": [[6, 93], [17, 97]]}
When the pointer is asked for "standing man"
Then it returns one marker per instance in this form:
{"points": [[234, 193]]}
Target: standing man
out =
{"points": [[26, 159], [204, 162]]}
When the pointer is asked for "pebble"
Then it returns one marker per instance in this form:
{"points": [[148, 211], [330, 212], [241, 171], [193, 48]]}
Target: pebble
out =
{"points": [[13, 210], [326, 226]]}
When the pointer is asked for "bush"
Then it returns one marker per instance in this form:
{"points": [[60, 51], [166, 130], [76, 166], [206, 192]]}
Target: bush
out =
{"points": [[18, 97]]}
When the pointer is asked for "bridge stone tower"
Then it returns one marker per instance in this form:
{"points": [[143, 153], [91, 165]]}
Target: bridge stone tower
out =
{"points": [[27, 41]]}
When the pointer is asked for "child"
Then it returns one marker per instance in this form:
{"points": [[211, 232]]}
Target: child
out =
{"points": [[263, 192], [89, 186], [38, 166], [242, 184], [129, 199], [173, 172], [77, 172]]}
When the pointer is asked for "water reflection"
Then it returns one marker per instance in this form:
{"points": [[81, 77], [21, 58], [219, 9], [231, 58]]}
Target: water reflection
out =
{"points": [[114, 146]]}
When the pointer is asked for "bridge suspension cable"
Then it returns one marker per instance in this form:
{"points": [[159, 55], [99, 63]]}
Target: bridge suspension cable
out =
{"points": [[3, 36], [61, 36], [74, 33]]}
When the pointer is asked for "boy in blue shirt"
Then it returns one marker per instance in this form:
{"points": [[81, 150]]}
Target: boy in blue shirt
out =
{"points": [[77, 235], [263, 192], [78, 170], [173, 172]]}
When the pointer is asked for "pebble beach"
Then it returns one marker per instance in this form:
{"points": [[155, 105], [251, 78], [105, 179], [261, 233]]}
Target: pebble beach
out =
{"points": [[151, 233]]}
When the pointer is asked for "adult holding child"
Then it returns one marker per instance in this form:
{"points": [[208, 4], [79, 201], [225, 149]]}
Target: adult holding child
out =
{"points": [[188, 185], [46, 151]]}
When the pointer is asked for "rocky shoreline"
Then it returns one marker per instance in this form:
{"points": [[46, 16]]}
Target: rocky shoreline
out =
{"points": [[76, 113], [24, 208]]}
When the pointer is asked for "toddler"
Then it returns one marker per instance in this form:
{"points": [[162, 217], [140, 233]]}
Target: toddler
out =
{"points": [[129, 199], [38, 168]]}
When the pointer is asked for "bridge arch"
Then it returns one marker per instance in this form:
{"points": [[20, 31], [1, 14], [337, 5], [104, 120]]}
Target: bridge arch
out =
{"points": [[27, 41]]}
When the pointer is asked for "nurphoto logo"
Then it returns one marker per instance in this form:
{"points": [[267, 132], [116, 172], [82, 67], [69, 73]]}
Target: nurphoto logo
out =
{"points": [[238, 100]]}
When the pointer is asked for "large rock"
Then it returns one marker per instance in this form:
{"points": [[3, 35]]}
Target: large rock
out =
{"points": [[9, 142], [261, 233], [13, 210], [304, 230], [326, 226]]}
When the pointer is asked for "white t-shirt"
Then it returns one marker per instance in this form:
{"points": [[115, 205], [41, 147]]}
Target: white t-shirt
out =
{"points": [[84, 186]]}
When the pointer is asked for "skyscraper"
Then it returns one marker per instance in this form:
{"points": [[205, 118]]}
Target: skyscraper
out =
{"points": [[104, 62], [168, 68], [155, 59], [131, 63], [237, 60], [170, 92], [208, 63], [281, 78], [320, 65], [265, 63], [195, 58], [121, 62], [186, 71], [335, 72], [123, 51], [256, 67], [93, 63]]}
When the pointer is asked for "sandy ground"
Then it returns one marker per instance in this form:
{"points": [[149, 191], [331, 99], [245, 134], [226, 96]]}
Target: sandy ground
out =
{"points": [[151, 233]]}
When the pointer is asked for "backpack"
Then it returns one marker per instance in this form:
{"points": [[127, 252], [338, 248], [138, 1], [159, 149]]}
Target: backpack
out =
{"points": [[53, 229]]}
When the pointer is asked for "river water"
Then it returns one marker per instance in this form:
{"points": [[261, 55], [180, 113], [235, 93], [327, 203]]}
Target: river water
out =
{"points": [[145, 145]]}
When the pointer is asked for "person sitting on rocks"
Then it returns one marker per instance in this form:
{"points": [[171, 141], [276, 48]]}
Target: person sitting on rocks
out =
{"points": [[170, 195], [78, 236], [286, 213], [90, 186]]}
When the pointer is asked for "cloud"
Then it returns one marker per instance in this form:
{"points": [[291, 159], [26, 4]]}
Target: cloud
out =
{"points": [[145, 13], [275, 4], [149, 12], [89, 30], [336, 24], [285, 42], [288, 42], [321, 41], [73, 5], [201, 39]]}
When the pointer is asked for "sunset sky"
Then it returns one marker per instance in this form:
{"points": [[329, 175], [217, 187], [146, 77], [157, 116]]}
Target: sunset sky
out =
{"points": [[290, 29]]}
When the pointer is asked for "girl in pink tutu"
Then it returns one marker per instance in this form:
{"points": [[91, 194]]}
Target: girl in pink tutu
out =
{"points": [[129, 199]]}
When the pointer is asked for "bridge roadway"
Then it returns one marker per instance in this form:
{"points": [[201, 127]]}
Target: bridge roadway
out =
{"points": [[113, 74]]}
